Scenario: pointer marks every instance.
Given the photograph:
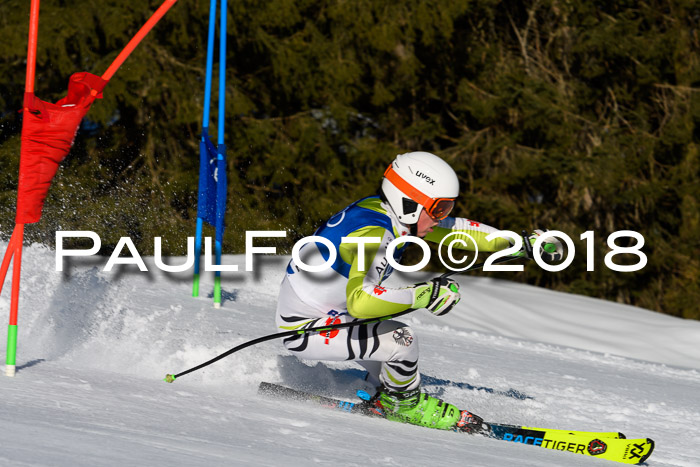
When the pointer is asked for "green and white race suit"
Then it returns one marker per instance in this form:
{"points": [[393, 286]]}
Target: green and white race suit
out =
{"points": [[352, 289]]}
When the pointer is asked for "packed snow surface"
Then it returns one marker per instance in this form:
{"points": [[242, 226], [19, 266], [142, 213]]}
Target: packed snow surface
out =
{"points": [[94, 348]]}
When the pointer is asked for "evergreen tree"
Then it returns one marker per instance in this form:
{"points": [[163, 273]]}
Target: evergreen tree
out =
{"points": [[574, 116]]}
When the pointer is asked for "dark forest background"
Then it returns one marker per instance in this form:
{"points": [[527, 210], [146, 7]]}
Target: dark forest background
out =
{"points": [[569, 115]]}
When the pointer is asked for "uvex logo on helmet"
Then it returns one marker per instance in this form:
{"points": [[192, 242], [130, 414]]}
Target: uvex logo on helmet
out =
{"points": [[427, 178]]}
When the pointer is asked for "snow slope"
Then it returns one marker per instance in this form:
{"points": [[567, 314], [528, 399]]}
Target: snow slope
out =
{"points": [[94, 348]]}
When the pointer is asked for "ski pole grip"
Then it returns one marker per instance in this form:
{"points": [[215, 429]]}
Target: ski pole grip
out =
{"points": [[527, 246]]}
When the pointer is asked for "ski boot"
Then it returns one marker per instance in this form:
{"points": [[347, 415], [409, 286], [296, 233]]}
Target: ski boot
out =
{"points": [[418, 408]]}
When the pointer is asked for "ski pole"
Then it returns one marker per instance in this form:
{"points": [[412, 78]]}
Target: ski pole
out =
{"points": [[169, 378]]}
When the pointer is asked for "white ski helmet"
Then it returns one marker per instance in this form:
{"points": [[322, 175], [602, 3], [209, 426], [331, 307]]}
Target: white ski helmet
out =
{"points": [[417, 180]]}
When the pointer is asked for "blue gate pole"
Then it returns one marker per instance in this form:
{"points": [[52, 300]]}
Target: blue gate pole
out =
{"points": [[203, 153], [221, 185]]}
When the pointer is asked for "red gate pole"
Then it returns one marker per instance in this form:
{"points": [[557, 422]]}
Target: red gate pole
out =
{"points": [[14, 248], [145, 29]]}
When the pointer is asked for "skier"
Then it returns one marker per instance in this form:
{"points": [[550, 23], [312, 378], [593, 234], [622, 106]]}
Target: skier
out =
{"points": [[417, 193]]}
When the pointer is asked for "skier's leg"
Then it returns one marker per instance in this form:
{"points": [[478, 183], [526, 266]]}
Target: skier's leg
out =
{"points": [[388, 348], [399, 397], [384, 347]]}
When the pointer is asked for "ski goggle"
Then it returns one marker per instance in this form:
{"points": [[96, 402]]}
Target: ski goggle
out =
{"points": [[437, 208]]}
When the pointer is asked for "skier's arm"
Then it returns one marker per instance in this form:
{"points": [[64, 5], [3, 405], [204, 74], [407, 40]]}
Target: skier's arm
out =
{"points": [[464, 227], [366, 298]]}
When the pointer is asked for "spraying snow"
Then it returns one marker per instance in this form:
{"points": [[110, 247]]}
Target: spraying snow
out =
{"points": [[94, 348]]}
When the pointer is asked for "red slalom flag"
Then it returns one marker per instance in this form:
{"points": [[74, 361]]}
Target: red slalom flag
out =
{"points": [[48, 131]]}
